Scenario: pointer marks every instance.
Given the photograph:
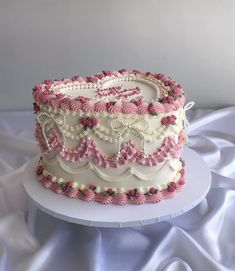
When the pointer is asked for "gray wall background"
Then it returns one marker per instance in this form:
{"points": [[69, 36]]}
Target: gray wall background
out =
{"points": [[191, 41]]}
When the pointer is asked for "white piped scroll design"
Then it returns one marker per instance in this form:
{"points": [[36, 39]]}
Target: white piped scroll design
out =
{"points": [[122, 126], [45, 119], [130, 171]]}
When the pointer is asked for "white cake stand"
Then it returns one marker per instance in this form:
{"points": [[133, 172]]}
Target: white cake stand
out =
{"points": [[198, 180]]}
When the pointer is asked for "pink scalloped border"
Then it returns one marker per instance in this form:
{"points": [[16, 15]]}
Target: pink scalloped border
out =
{"points": [[119, 198], [43, 94]]}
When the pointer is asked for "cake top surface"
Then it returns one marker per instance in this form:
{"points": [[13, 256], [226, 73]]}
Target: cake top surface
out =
{"points": [[136, 91]]}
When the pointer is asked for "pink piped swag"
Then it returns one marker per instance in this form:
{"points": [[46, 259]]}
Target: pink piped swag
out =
{"points": [[129, 152]]}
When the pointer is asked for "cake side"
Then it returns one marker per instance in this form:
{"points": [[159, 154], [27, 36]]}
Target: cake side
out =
{"points": [[107, 139]]}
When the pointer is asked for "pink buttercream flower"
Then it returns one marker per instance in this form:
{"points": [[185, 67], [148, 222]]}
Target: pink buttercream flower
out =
{"points": [[181, 181], [169, 120], [69, 183], [94, 121], [171, 187], [92, 187], [175, 92], [123, 70], [173, 184], [83, 121], [99, 76], [74, 78], [60, 95], [172, 119], [47, 82], [48, 92], [107, 73], [158, 76], [165, 121], [37, 87], [88, 122], [136, 72], [82, 99], [167, 99], [137, 102], [92, 79], [178, 92], [85, 193], [182, 162], [110, 191], [153, 190], [152, 110], [182, 172], [39, 169], [170, 99], [137, 195], [49, 178], [36, 108], [169, 83], [67, 80], [133, 194], [67, 186]]}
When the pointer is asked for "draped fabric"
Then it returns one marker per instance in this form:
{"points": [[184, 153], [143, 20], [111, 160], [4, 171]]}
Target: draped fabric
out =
{"points": [[202, 239]]}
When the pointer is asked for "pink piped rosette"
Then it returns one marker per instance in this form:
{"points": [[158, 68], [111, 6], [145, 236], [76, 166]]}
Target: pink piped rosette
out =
{"points": [[129, 108], [76, 105], [114, 107], [100, 107], [143, 108]]}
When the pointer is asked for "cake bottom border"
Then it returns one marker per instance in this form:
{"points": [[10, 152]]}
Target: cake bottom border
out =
{"points": [[109, 197]]}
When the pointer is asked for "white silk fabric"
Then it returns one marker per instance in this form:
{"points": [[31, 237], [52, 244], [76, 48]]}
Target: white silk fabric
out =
{"points": [[202, 239]]}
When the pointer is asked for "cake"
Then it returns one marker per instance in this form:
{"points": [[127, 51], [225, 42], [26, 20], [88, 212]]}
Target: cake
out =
{"points": [[115, 137]]}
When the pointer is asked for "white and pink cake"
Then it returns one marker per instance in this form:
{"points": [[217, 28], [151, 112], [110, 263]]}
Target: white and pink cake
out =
{"points": [[114, 137]]}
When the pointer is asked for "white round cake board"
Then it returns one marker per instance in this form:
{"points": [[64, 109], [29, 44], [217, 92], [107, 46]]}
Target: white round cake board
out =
{"points": [[198, 180]]}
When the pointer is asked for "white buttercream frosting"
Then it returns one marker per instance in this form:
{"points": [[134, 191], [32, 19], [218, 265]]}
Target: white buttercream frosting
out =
{"points": [[112, 128]]}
